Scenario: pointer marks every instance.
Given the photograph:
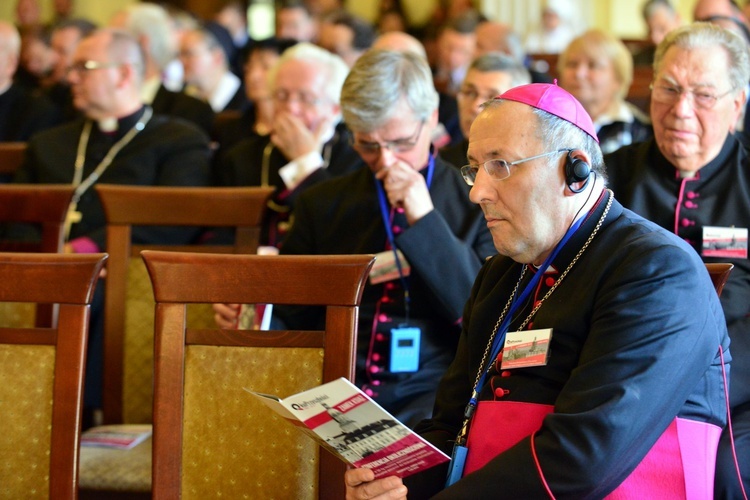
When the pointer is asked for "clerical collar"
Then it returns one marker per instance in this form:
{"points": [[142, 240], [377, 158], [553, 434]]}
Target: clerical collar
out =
{"points": [[119, 126]]}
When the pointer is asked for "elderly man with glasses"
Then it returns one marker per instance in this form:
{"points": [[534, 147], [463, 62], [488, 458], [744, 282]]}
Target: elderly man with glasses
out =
{"points": [[693, 178], [572, 378], [411, 209], [308, 142]]}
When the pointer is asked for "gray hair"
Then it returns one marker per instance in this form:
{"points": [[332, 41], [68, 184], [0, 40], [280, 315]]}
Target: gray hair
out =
{"points": [[557, 133], [333, 66], [497, 61], [123, 48], [378, 85], [701, 35], [561, 134], [152, 21]]}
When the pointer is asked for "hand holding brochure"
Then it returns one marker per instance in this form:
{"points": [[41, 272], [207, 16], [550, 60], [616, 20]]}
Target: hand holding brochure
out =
{"points": [[345, 421]]}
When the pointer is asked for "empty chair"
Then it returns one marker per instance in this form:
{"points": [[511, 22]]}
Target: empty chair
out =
{"points": [[41, 374], [211, 438], [129, 308], [43, 207]]}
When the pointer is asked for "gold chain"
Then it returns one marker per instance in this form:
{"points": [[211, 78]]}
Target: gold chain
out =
{"points": [[475, 391]]}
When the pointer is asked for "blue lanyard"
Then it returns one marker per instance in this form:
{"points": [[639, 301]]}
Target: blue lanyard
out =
{"points": [[499, 339], [384, 212]]}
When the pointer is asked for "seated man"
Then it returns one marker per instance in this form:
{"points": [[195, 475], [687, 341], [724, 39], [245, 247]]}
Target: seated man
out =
{"points": [[119, 141], [692, 179], [308, 142], [571, 378], [489, 75], [408, 206], [151, 26], [207, 73]]}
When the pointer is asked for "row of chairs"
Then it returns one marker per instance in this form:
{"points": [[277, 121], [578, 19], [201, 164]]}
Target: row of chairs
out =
{"points": [[201, 442], [208, 278]]}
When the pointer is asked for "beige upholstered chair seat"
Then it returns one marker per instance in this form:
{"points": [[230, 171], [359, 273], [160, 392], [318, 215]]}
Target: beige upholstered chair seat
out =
{"points": [[116, 470]]}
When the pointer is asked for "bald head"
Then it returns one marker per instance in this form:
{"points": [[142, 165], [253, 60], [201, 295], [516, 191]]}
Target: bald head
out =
{"points": [[399, 41]]}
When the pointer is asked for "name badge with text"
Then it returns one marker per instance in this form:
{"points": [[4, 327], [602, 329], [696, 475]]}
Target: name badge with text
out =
{"points": [[725, 242], [526, 348]]}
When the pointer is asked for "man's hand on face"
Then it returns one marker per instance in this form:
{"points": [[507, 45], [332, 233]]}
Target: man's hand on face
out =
{"points": [[294, 139], [405, 187]]}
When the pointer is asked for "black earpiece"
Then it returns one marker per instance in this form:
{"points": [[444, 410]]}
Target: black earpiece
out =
{"points": [[576, 170]]}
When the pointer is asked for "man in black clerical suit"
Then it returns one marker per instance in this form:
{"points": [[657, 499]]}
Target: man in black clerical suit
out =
{"points": [[408, 202], [151, 26], [118, 141], [22, 112], [308, 142]]}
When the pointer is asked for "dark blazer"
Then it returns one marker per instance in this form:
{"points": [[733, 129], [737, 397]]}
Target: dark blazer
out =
{"points": [[621, 365], [445, 249], [719, 195], [23, 113], [184, 106], [167, 152], [242, 165]]}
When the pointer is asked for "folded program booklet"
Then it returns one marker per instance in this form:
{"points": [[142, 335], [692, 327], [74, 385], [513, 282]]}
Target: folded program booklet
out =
{"points": [[345, 421]]}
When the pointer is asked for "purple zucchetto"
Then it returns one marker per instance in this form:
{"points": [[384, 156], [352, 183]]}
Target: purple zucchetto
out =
{"points": [[555, 100]]}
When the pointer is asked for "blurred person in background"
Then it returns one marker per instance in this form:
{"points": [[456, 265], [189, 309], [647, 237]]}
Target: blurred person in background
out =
{"points": [[207, 74], [152, 26], [295, 21], [345, 35], [555, 30], [23, 112], [498, 37], [307, 142], [489, 75], [256, 118], [660, 17], [597, 69]]}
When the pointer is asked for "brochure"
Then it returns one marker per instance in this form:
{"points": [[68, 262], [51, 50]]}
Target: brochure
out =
{"points": [[121, 437], [345, 421]]}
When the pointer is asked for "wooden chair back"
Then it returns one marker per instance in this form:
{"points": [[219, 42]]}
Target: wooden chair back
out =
{"points": [[127, 281], [41, 374], [44, 206], [719, 272], [11, 158], [209, 434]]}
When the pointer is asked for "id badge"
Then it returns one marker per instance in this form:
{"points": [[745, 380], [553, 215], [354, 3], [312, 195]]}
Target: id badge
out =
{"points": [[405, 349], [724, 242], [526, 348]]}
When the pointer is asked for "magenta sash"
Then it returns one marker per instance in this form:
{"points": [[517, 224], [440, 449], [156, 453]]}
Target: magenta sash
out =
{"points": [[679, 465]]}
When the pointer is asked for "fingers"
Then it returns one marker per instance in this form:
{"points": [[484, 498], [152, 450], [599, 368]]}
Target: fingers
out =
{"points": [[225, 315], [362, 485]]}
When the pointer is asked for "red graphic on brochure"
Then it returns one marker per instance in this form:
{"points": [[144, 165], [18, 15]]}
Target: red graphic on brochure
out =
{"points": [[355, 428]]}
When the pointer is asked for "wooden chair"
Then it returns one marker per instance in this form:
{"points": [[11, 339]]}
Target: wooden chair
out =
{"points": [[11, 158], [41, 374], [211, 438], [42, 205], [719, 273], [129, 307]]}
